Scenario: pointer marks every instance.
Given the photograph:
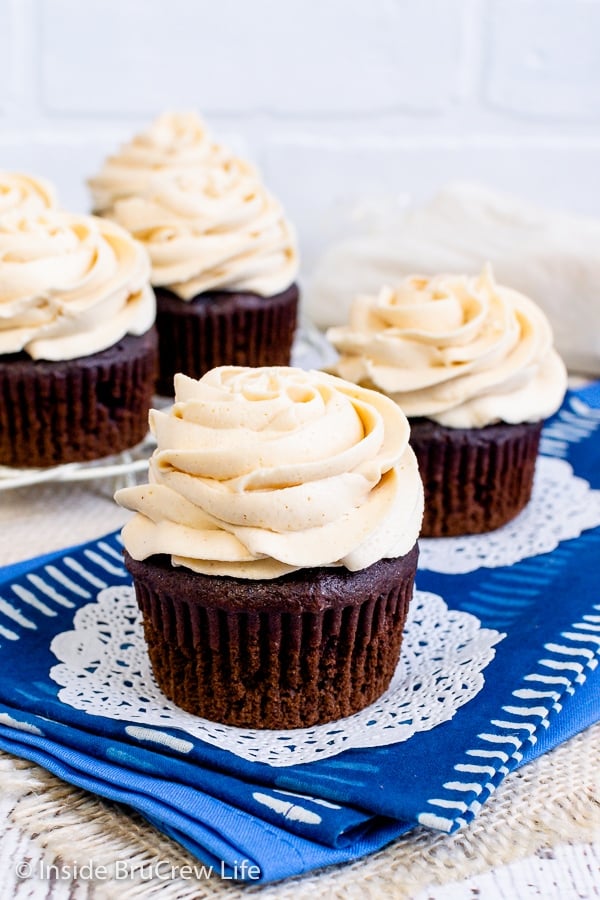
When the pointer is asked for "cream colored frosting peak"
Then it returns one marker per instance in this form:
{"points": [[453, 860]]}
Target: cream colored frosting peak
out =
{"points": [[70, 285], [25, 194], [462, 351], [176, 142], [213, 229], [259, 472]]}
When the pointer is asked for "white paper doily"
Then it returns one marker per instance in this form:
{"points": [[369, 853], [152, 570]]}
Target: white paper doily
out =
{"points": [[562, 506], [104, 671]]}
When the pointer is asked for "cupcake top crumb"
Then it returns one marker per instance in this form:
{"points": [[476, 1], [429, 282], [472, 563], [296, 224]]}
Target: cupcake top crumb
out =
{"points": [[260, 472], [70, 285], [462, 351]]}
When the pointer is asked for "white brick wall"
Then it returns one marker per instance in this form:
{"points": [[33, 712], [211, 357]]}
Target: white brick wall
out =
{"points": [[283, 58], [5, 33], [339, 101], [544, 58]]}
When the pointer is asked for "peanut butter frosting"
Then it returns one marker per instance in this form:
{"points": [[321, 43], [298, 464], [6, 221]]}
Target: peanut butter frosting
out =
{"points": [[460, 350], [260, 472], [70, 285], [176, 142], [215, 229], [25, 194]]}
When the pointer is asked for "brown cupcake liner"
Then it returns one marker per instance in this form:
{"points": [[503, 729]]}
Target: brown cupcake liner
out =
{"points": [[221, 328], [301, 650], [475, 480], [76, 410]]}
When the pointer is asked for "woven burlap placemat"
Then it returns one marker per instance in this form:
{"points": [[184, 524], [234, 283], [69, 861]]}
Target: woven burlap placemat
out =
{"points": [[45, 517], [552, 800]]}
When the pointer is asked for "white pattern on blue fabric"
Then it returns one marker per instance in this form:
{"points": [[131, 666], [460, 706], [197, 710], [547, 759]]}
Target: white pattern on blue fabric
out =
{"points": [[439, 823], [5, 719], [291, 811], [8, 634], [534, 718], [574, 423], [67, 582], [49, 591], [110, 551], [32, 600], [529, 727], [530, 694], [105, 563], [475, 770], [7, 609], [318, 800], [84, 573], [159, 737], [460, 805]]}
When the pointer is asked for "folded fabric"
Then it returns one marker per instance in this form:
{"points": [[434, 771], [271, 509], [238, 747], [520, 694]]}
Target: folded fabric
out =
{"points": [[499, 665], [551, 256]]}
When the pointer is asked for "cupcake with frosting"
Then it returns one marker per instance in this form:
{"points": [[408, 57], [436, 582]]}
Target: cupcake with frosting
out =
{"points": [[472, 364], [77, 342], [25, 194], [224, 256], [274, 549]]}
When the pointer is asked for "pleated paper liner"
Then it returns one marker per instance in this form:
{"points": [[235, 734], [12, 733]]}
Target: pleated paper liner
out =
{"points": [[76, 410], [221, 328], [303, 649], [475, 479]]}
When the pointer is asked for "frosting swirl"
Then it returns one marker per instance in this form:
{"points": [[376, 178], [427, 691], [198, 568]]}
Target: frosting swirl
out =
{"points": [[259, 472], [70, 285], [217, 228], [175, 142], [464, 352], [25, 194]]}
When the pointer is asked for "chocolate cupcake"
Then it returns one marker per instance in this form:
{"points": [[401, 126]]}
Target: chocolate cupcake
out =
{"points": [[472, 365], [223, 254], [274, 551], [77, 346]]}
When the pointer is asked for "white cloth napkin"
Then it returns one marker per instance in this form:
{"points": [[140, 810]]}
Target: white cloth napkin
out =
{"points": [[553, 257]]}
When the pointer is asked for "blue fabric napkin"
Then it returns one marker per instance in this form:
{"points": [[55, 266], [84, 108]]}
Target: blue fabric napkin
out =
{"points": [[541, 687]]}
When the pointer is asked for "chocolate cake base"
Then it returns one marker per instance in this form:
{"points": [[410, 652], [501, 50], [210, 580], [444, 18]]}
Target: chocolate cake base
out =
{"points": [[78, 409], [222, 328], [475, 479], [295, 651]]}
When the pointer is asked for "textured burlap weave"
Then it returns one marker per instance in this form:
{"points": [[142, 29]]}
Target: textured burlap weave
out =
{"points": [[550, 801]]}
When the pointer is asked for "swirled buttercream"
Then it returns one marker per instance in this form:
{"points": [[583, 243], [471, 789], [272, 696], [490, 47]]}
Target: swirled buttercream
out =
{"points": [[176, 142], [213, 229], [25, 194], [70, 285], [462, 351], [259, 472]]}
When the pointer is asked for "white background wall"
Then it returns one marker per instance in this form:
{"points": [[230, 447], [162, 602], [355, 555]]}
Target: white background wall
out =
{"points": [[337, 100]]}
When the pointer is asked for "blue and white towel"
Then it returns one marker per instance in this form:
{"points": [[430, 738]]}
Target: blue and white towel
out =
{"points": [[499, 665]]}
